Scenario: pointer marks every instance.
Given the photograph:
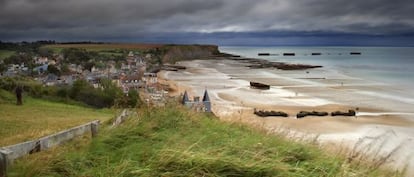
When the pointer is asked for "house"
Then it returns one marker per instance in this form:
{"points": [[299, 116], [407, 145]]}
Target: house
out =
{"points": [[41, 60], [17, 68], [41, 69], [125, 89], [155, 96], [10, 72], [140, 61], [131, 82], [131, 54], [125, 66], [67, 79], [94, 69], [94, 78], [148, 56], [51, 80], [150, 78], [200, 106], [52, 62], [113, 70], [115, 78], [131, 79], [111, 67], [75, 68]]}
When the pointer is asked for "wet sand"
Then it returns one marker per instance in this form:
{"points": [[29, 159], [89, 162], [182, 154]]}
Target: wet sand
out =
{"points": [[382, 108]]}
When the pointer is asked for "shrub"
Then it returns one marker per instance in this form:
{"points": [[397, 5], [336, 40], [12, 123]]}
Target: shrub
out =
{"points": [[107, 96]]}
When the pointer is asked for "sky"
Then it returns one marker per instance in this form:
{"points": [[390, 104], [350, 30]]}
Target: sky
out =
{"points": [[222, 22]]}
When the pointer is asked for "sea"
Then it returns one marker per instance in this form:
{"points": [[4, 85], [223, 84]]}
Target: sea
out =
{"points": [[388, 65]]}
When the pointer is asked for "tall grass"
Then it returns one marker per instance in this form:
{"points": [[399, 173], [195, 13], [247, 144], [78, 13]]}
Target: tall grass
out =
{"points": [[171, 141]]}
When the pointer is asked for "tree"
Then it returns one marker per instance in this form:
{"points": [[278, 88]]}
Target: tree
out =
{"points": [[100, 65], [133, 98], [45, 52], [110, 88], [2, 67], [64, 69], [89, 65], [77, 87], [75, 55], [52, 69], [118, 65]]}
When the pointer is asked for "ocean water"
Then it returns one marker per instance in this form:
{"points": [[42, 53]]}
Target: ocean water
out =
{"points": [[389, 65]]}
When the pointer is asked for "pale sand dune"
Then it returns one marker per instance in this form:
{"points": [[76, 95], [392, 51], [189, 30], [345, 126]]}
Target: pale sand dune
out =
{"points": [[380, 109]]}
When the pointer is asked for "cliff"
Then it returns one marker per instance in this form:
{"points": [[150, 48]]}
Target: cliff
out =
{"points": [[174, 53]]}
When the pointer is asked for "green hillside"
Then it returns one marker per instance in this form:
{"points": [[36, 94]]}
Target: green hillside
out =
{"points": [[174, 142], [37, 118]]}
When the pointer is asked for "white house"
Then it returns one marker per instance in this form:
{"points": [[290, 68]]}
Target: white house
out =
{"points": [[41, 60]]}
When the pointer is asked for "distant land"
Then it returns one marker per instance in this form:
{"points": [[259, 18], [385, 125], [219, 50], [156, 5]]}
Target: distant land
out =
{"points": [[258, 38]]}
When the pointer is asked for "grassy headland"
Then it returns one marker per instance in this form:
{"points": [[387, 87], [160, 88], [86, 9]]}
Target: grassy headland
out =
{"points": [[113, 48], [37, 118], [169, 53], [174, 142]]}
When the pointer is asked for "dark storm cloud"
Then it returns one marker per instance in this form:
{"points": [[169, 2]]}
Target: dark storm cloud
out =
{"points": [[74, 13], [108, 19], [374, 16]]}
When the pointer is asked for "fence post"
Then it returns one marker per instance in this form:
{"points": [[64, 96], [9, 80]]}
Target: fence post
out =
{"points": [[4, 162], [94, 128]]}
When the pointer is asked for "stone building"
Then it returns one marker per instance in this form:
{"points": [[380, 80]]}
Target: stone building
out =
{"points": [[196, 104]]}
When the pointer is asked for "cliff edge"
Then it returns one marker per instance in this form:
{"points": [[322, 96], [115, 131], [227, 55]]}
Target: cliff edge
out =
{"points": [[174, 53]]}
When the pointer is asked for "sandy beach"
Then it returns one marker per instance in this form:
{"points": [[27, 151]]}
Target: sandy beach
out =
{"points": [[383, 121]]}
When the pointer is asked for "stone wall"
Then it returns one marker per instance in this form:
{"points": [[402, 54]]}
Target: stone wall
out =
{"points": [[9, 153]]}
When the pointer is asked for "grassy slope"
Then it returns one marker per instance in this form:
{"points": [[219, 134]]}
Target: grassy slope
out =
{"points": [[6, 53], [174, 142], [37, 118]]}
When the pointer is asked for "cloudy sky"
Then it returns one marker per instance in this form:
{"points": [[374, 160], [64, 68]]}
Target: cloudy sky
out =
{"points": [[224, 22]]}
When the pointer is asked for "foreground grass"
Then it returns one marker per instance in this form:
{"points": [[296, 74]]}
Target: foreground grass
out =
{"points": [[37, 118], [173, 142]]}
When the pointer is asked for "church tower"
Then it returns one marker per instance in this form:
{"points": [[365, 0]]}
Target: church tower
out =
{"points": [[206, 102]]}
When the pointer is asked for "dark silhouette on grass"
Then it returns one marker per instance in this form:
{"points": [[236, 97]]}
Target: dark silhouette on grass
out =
{"points": [[19, 91]]}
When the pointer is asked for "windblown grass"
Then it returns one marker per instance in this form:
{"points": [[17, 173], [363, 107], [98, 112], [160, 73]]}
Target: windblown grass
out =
{"points": [[37, 118], [173, 142]]}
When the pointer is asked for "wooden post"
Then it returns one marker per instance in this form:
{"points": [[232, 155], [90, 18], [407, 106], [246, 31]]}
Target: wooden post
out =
{"points": [[4, 162], [94, 128]]}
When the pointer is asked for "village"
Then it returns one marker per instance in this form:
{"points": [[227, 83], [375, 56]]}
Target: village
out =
{"points": [[131, 71], [129, 74]]}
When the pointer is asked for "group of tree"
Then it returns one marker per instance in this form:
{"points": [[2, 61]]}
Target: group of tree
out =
{"points": [[88, 59], [108, 95], [78, 56], [20, 58], [24, 52], [22, 47]]}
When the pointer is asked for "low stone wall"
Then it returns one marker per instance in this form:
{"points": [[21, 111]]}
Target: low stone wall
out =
{"points": [[121, 118], [9, 153]]}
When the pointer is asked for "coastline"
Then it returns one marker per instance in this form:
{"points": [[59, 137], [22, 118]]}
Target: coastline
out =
{"points": [[291, 91]]}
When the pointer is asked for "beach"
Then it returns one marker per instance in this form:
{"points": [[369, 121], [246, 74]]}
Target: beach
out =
{"points": [[379, 113]]}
